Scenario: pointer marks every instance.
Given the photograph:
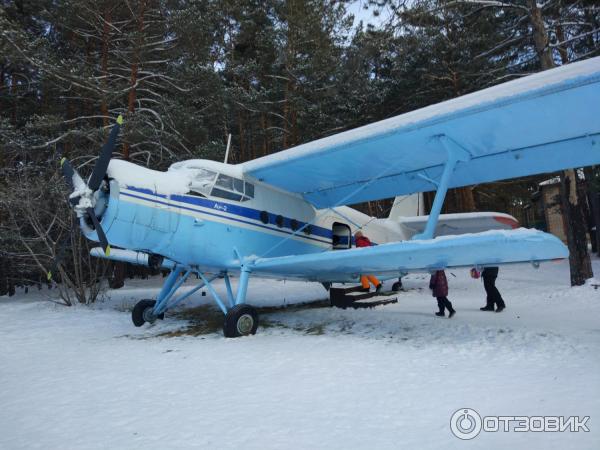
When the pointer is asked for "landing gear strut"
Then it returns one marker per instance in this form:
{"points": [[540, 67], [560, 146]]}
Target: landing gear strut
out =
{"points": [[240, 319]]}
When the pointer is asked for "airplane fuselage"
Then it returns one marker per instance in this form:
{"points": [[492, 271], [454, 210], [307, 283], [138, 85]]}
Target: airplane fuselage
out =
{"points": [[163, 213]]}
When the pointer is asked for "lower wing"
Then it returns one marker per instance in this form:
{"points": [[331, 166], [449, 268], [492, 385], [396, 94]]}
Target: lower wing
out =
{"points": [[489, 248]]}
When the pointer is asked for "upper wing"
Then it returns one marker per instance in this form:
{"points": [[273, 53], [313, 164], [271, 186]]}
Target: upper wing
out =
{"points": [[489, 248], [539, 123]]}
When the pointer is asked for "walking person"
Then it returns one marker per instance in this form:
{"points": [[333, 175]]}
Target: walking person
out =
{"points": [[439, 286], [494, 298], [362, 241]]}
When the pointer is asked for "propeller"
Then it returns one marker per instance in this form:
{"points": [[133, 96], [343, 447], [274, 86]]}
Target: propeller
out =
{"points": [[83, 198]]}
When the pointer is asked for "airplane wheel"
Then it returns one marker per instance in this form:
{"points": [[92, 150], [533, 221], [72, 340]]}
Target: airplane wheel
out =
{"points": [[241, 320], [142, 313], [397, 286]]}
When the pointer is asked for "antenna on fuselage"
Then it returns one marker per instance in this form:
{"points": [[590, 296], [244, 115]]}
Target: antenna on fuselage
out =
{"points": [[228, 147]]}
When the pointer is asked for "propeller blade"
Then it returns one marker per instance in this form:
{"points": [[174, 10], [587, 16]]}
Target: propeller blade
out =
{"points": [[105, 154], [73, 179], [101, 236]]}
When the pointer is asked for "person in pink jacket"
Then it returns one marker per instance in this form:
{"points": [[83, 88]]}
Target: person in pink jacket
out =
{"points": [[439, 289]]}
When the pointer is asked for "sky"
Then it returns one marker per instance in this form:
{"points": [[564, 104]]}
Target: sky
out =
{"points": [[366, 15]]}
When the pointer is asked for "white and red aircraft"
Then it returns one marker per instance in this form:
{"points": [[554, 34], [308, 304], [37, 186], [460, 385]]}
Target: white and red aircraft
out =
{"points": [[285, 215]]}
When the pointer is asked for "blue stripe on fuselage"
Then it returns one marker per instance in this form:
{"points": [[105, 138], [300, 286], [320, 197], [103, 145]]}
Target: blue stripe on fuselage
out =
{"points": [[231, 209]]}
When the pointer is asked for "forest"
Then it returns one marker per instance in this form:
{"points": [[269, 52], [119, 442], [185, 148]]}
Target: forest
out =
{"points": [[186, 74]]}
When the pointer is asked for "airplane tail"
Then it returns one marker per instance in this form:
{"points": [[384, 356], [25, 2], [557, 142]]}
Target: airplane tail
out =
{"points": [[407, 206]]}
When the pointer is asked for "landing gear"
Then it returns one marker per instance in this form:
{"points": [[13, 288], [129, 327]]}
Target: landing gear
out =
{"points": [[397, 285], [241, 320], [143, 312]]}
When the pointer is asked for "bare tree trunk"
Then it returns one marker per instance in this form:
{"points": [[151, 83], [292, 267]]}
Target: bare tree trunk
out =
{"points": [[286, 113], [579, 259], [104, 64], [134, 69], [13, 91], [465, 201], [595, 206], [540, 35], [265, 145], [571, 204], [242, 137]]}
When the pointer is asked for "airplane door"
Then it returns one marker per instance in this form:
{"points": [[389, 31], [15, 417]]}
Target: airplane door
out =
{"points": [[341, 236]]}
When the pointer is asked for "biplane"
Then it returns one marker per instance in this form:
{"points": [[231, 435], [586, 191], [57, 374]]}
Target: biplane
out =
{"points": [[286, 215]]}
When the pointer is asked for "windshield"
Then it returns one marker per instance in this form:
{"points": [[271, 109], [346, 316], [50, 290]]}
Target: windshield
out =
{"points": [[209, 183], [202, 181]]}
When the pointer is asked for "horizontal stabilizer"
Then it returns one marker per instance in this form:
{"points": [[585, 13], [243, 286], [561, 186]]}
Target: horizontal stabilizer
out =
{"points": [[489, 248], [462, 223]]}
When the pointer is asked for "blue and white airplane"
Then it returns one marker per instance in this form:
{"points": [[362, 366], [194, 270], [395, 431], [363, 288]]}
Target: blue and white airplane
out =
{"points": [[285, 215]]}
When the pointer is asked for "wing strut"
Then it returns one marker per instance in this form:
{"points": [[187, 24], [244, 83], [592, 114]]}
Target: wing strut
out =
{"points": [[455, 153]]}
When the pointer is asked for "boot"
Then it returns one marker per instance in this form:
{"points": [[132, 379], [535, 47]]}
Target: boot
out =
{"points": [[489, 306], [451, 310], [441, 307]]}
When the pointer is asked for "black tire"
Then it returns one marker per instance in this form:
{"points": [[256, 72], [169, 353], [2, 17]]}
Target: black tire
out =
{"points": [[137, 315], [397, 286], [241, 320]]}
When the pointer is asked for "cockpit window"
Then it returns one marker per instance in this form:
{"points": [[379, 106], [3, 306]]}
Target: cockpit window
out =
{"points": [[225, 182], [202, 181], [216, 192], [238, 185], [249, 190], [208, 183], [233, 189]]}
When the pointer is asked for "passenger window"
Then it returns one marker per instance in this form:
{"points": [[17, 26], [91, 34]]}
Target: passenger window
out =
{"points": [[279, 221]]}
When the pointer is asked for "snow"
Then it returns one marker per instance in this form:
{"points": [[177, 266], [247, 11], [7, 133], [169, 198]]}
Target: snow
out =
{"points": [[574, 73], [471, 215], [550, 181], [391, 377], [521, 232], [176, 180], [129, 174]]}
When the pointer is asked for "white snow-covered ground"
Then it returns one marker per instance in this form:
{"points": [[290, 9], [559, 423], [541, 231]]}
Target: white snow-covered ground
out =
{"points": [[85, 378]]}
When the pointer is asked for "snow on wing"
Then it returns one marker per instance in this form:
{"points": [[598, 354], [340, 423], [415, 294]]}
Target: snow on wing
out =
{"points": [[483, 249], [540, 123]]}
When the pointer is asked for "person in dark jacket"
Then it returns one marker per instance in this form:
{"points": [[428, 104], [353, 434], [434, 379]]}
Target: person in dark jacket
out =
{"points": [[494, 298], [439, 286], [362, 241]]}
